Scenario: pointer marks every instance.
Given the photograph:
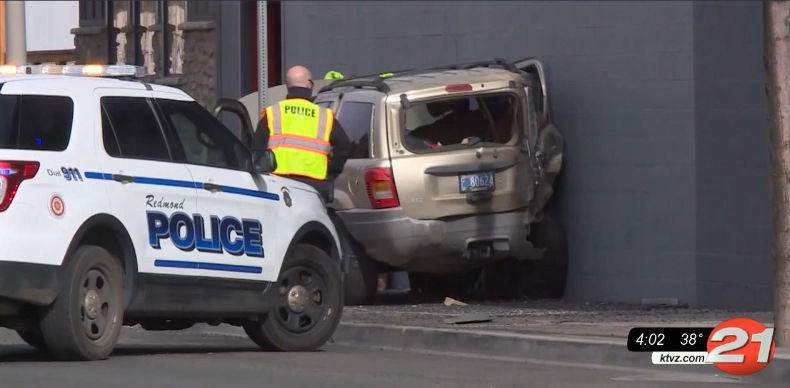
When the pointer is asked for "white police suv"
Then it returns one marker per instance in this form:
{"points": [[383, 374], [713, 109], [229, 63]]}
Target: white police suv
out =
{"points": [[125, 203]]}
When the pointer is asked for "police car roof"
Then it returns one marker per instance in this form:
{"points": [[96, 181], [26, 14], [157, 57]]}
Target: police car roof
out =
{"points": [[63, 84]]}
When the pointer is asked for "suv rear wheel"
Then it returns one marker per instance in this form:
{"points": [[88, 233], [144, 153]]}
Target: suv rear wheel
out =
{"points": [[546, 278], [534, 279], [307, 303], [457, 285], [34, 338], [85, 320]]}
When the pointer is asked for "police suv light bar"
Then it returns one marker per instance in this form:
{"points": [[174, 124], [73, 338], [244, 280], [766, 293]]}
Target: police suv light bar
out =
{"points": [[77, 70]]}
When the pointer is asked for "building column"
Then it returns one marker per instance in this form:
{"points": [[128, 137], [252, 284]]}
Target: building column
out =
{"points": [[160, 33], [132, 49], [15, 25], [200, 63], [95, 44]]}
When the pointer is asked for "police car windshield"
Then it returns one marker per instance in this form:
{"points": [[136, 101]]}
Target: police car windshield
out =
{"points": [[29, 122]]}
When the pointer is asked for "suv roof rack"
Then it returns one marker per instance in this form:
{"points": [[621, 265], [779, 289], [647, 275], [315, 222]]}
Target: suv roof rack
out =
{"points": [[471, 65], [377, 81]]}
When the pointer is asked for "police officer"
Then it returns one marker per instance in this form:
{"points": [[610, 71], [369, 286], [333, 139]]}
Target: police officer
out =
{"points": [[308, 142]]}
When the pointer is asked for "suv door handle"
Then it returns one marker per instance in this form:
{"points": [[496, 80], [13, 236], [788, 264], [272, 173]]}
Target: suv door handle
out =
{"points": [[212, 187], [123, 178]]}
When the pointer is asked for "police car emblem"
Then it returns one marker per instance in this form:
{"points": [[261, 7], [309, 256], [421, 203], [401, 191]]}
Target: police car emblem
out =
{"points": [[56, 205]]}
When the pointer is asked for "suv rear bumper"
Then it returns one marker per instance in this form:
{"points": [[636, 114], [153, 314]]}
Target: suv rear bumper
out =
{"points": [[29, 283], [438, 246]]}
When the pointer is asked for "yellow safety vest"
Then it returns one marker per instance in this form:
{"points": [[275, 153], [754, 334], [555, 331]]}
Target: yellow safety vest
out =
{"points": [[299, 136]]}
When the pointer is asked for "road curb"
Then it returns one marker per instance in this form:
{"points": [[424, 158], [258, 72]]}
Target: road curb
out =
{"points": [[528, 347]]}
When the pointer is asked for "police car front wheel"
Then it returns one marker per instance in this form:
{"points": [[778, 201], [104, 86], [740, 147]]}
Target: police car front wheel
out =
{"points": [[307, 302], [84, 321]]}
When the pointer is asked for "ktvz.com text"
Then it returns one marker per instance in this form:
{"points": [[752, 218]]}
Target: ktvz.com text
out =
{"points": [[680, 358]]}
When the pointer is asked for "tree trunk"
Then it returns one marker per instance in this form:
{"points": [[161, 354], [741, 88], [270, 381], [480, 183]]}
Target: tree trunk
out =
{"points": [[777, 62]]}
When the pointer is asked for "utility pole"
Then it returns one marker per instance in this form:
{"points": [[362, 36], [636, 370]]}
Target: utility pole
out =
{"points": [[777, 62], [2, 34], [16, 53], [263, 64]]}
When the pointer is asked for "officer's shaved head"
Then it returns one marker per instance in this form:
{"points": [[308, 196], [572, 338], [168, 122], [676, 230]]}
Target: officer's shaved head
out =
{"points": [[298, 76]]}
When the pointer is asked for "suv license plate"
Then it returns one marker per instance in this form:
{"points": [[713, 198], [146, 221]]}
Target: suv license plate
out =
{"points": [[470, 183]]}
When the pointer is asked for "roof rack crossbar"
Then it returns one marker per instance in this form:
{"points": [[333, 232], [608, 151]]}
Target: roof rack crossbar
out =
{"points": [[494, 62], [358, 83], [377, 82]]}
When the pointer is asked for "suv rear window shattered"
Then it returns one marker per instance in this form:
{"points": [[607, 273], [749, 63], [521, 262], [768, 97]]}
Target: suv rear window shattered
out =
{"points": [[461, 121], [30, 122]]}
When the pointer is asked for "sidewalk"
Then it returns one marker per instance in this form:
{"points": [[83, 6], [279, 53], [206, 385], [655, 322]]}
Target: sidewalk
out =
{"points": [[539, 331], [568, 319]]}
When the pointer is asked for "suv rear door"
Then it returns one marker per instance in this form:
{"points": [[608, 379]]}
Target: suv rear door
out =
{"points": [[446, 149], [358, 114]]}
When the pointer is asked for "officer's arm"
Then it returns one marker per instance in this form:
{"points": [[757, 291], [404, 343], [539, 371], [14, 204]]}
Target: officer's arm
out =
{"points": [[341, 149], [260, 139]]}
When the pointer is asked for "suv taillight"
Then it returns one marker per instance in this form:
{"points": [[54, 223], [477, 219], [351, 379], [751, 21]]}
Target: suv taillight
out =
{"points": [[381, 188], [12, 173]]}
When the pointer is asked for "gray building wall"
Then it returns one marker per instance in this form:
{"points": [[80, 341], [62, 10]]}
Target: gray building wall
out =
{"points": [[733, 205], [662, 195]]}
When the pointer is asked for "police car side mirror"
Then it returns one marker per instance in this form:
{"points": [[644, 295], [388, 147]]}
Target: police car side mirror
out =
{"points": [[263, 161]]}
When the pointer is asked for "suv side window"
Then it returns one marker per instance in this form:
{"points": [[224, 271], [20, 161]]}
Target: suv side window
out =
{"points": [[136, 129], [204, 139], [356, 119]]}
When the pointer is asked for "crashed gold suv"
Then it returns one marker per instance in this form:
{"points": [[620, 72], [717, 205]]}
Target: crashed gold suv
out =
{"points": [[451, 171]]}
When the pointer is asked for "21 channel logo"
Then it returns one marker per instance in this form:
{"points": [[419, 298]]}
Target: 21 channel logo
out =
{"points": [[741, 346]]}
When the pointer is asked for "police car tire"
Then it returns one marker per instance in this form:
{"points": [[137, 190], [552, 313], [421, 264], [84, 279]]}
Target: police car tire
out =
{"points": [[33, 338], [271, 335], [62, 322]]}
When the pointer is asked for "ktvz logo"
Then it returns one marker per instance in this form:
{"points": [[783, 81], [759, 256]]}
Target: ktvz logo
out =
{"points": [[741, 346]]}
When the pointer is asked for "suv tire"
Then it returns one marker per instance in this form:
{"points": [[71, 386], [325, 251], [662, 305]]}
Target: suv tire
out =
{"points": [[33, 338], [457, 285], [546, 278], [360, 283], [84, 321], [307, 302]]}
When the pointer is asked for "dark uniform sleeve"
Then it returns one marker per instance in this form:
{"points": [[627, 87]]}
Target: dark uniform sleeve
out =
{"points": [[260, 139], [341, 149]]}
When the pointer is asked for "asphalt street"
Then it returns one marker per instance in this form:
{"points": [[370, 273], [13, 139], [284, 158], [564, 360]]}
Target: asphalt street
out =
{"points": [[196, 359]]}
